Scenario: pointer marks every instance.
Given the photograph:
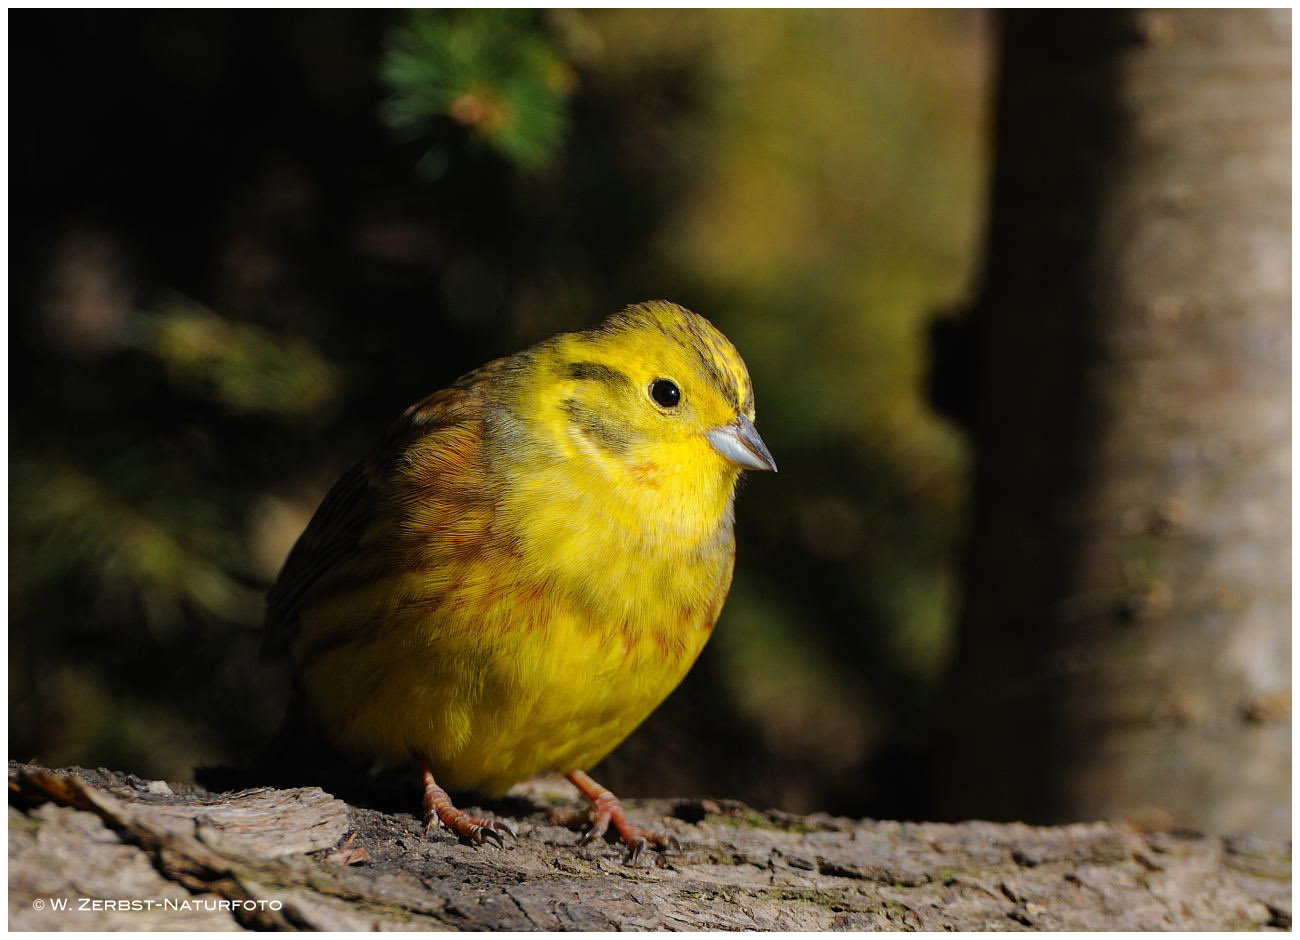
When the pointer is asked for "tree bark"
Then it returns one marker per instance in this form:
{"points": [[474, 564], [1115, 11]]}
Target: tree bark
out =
{"points": [[172, 856], [1126, 638]]}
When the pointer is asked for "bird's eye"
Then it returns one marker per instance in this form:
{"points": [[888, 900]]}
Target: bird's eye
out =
{"points": [[665, 393]]}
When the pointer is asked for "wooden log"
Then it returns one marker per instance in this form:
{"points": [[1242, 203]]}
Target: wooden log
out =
{"points": [[95, 850]]}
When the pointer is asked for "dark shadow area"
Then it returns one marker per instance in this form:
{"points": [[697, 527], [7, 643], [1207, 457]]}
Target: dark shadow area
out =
{"points": [[1032, 332]]}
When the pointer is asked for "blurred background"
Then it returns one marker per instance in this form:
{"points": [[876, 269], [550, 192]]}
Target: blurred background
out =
{"points": [[242, 242]]}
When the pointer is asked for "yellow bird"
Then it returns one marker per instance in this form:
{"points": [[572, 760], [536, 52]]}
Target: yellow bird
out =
{"points": [[529, 563]]}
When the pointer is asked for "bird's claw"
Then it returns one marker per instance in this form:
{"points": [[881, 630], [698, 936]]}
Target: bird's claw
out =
{"points": [[481, 834], [634, 851], [606, 810], [638, 840], [593, 832], [631, 835], [478, 830]]}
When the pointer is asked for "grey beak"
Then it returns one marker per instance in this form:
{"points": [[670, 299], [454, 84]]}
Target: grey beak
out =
{"points": [[739, 442]]}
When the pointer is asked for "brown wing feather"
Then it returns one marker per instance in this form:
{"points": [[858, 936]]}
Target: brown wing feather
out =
{"points": [[333, 538]]}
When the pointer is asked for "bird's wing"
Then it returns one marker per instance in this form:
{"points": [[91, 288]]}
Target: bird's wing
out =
{"points": [[333, 544], [332, 537]]}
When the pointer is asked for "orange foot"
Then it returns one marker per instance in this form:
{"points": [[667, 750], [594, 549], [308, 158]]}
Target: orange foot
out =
{"points": [[475, 829], [606, 809]]}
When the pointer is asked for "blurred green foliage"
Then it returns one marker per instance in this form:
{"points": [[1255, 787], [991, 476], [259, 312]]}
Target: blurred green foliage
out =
{"points": [[240, 366], [342, 211], [492, 71]]}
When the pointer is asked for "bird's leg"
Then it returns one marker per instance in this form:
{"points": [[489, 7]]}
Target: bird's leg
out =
{"points": [[606, 809], [475, 829]]}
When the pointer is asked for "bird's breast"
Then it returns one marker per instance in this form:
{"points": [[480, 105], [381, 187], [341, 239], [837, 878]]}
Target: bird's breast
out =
{"points": [[638, 557]]}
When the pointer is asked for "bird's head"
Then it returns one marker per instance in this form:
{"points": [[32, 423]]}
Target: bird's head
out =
{"points": [[656, 391]]}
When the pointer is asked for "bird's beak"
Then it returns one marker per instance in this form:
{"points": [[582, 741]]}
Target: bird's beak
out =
{"points": [[739, 442]]}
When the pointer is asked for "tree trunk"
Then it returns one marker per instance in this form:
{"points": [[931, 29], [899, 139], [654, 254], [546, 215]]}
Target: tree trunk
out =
{"points": [[1126, 637]]}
